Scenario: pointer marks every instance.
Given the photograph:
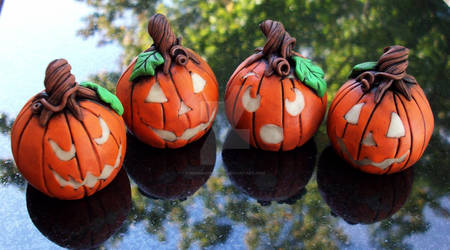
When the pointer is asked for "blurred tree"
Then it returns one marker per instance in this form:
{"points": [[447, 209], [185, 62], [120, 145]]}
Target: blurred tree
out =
{"points": [[337, 34]]}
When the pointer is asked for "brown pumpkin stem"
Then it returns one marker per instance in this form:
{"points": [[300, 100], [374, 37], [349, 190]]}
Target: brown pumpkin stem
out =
{"points": [[390, 73], [61, 92], [279, 46], [165, 41]]}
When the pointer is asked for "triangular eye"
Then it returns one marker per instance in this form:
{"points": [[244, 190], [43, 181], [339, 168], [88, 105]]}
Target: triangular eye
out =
{"points": [[183, 108], [352, 115], [198, 82], [396, 128], [156, 94]]}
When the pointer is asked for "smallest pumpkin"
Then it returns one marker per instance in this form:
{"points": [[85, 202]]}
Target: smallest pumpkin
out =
{"points": [[380, 120], [69, 141], [276, 98]]}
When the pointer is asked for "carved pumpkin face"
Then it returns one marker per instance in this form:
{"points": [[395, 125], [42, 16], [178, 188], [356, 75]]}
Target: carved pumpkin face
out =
{"points": [[81, 224], [359, 197], [172, 174], [69, 157], [171, 105], [268, 176], [266, 102], [383, 129]]}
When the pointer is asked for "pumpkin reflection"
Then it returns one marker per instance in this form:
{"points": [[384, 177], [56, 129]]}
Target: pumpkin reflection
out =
{"points": [[269, 176], [172, 174], [85, 223], [359, 197]]}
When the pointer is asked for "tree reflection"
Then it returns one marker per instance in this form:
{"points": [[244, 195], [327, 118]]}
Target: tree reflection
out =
{"points": [[358, 197], [171, 174], [335, 34], [269, 176], [84, 223]]}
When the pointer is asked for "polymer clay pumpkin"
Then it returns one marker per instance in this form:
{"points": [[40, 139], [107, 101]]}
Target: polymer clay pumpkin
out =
{"points": [[171, 174], [359, 197], [380, 120], [268, 176], [85, 223], [69, 141], [171, 105], [276, 98]]}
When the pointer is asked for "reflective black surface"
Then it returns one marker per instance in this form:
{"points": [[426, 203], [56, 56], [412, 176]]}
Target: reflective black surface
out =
{"points": [[243, 198]]}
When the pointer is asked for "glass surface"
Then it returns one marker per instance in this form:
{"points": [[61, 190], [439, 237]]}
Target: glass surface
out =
{"points": [[218, 192]]}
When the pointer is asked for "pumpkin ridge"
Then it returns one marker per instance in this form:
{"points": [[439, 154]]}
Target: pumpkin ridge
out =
{"points": [[410, 132], [254, 113], [336, 102], [97, 155], [424, 125], [398, 140], [178, 93], [111, 133], [76, 156], [20, 137], [240, 89], [365, 127], [43, 164], [131, 106], [22, 112], [204, 71], [282, 112], [299, 118], [346, 122]]}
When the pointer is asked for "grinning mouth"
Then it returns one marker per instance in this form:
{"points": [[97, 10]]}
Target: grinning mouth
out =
{"points": [[90, 181], [366, 161], [187, 134]]}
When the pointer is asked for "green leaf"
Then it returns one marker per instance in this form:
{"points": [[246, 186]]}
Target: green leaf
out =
{"points": [[359, 68], [310, 74], [105, 96], [146, 63]]}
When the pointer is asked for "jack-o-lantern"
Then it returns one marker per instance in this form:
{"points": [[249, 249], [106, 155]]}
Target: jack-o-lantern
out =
{"points": [[170, 174], [380, 120], [69, 141], [269, 176], [173, 104], [359, 197], [85, 223], [276, 98]]}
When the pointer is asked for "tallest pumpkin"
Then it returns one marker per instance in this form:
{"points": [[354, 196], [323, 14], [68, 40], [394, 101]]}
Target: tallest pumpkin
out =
{"points": [[168, 92], [276, 98]]}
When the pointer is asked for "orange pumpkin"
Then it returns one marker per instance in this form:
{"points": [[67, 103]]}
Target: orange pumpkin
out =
{"points": [[172, 104], [81, 224], [269, 106], [359, 197], [380, 120], [67, 141], [269, 176]]}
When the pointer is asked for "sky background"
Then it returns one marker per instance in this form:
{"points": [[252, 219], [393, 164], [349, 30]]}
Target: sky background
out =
{"points": [[33, 33]]}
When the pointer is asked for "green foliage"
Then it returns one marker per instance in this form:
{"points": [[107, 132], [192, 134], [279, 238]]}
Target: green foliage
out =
{"points": [[146, 63], [105, 96], [359, 68], [310, 74], [337, 35]]}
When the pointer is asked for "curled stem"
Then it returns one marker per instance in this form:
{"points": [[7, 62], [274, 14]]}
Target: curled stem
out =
{"points": [[61, 92], [165, 41], [390, 73], [278, 47]]}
